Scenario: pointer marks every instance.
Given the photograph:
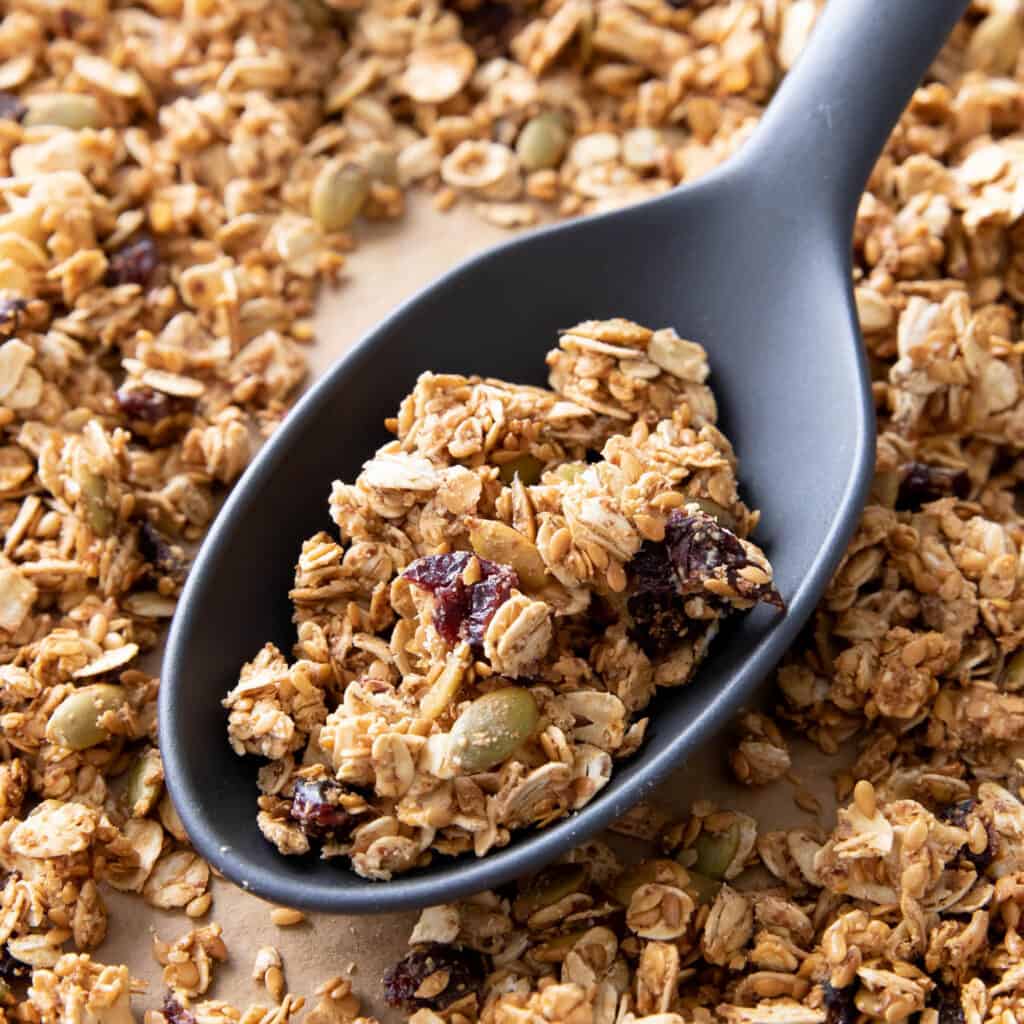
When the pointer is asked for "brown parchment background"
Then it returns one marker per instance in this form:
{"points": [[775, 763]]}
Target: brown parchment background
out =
{"points": [[393, 261]]}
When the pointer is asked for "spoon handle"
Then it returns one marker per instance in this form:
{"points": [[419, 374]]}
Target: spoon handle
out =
{"points": [[829, 120]]}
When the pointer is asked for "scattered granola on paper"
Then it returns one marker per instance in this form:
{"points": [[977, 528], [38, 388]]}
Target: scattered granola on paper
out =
{"points": [[178, 176], [513, 578]]}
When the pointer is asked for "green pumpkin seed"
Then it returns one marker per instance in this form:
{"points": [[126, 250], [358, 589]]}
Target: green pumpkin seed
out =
{"points": [[500, 543], [526, 467], [75, 722], [715, 851], [63, 110], [1013, 673], [542, 142], [339, 192], [702, 888], [98, 514], [719, 513], [662, 870], [570, 471], [547, 888], [141, 785], [492, 728]]}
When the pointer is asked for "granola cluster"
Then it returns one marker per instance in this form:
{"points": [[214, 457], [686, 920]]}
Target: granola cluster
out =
{"points": [[514, 576], [176, 177]]}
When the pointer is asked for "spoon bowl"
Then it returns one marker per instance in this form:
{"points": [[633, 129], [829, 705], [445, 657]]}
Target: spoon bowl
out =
{"points": [[753, 262]]}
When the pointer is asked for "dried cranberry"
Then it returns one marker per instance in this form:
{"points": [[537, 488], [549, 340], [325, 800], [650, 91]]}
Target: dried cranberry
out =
{"points": [[462, 610], [662, 575], [11, 968], [839, 1005], [316, 807], [134, 263], [659, 621], [148, 405], [921, 483], [946, 999], [489, 27], [70, 21], [466, 970], [10, 316], [166, 557], [699, 546], [956, 814], [11, 108], [175, 1012], [959, 815]]}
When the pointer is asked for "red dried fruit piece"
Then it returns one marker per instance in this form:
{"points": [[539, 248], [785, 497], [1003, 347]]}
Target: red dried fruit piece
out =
{"points": [[11, 968], [166, 557], [175, 1012], [840, 1007], [699, 547], [921, 483], [11, 108], [146, 404], [10, 316], [134, 263], [465, 969], [662, 575], [317, 808], [946, 999], [462, 611]]}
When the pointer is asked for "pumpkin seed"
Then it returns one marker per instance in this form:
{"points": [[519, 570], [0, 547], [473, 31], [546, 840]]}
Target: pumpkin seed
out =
{"points": [[98, 514], [339, 192], [661, 870], [715, 851], [142, 783], [702, 888], [550, 886], [719, 513], [63, 110], [492, 728], [500, 543], [75, 722], [542, 142], [570, 471], [526, 467]]}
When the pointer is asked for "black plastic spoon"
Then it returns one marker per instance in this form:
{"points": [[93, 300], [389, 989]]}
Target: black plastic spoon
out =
{"points": [[753, 261]]}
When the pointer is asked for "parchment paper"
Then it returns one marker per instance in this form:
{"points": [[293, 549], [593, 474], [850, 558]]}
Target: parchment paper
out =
{"points": [[392, 263]]}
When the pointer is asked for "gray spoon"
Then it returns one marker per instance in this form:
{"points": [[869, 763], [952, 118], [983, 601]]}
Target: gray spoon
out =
{"points": [[754, 262]]}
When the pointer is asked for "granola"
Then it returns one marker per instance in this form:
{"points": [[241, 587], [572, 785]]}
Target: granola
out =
{"points": [[514, 576], [179, 175]]}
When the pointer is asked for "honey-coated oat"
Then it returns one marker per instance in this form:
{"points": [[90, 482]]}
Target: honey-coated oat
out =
{"points": [[177, 177]]}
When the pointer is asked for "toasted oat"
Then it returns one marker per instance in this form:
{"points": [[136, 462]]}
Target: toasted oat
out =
{"points": [[157, 267]]}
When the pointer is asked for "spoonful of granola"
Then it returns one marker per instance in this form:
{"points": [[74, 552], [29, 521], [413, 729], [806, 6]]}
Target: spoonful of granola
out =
{"points": [[489, 631]]}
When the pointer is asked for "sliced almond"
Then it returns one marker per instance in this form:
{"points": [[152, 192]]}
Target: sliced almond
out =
{"points": [[173, 384], [108, 661]]}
